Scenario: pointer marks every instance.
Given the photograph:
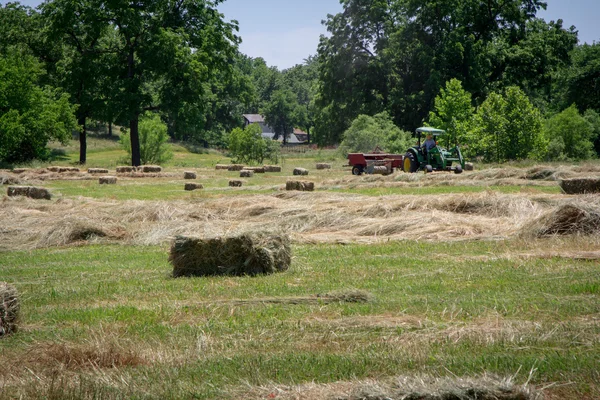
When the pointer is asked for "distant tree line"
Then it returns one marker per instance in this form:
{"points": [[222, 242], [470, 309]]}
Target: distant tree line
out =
{"points": [[466, 66]]}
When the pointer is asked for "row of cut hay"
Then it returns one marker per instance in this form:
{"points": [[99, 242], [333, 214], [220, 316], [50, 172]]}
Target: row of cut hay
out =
{"points": [[580, 186], [62, 170], [247, 254], [309, 217], [485, 387]]}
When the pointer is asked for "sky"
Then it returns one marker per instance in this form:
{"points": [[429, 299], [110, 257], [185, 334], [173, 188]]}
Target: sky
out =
{"points": [[285, 32]]}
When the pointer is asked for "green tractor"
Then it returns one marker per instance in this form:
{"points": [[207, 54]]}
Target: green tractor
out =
{"points": [[437, 158]]}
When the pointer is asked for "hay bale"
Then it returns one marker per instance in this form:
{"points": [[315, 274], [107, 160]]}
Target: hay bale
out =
{"points": [[380, 170], [150, 169], [469, 166], [222, 166], [246, 173], [300, 171], [303, 186], [53, 169], [126, 170], [189, 175], [323, 166], [97, 171], [29, 191], [193, 186], [235, 183], [9, 180], [9, 308], [62, 170], [568, 219], [256, 170], [247, 254], [235, 167], [272, 168], [580, 186], [107, 180]]}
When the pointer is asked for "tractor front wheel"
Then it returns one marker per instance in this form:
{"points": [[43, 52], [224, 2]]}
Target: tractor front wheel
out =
{"points": [[357, 170], [410, 164], [428, 169], [458, 169]]}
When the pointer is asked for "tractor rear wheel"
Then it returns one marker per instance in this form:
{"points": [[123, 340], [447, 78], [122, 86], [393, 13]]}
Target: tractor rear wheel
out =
{"points": [[410, 164], [357, 170]]}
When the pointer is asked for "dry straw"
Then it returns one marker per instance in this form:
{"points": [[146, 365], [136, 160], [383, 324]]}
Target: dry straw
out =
{"points": [[9, 308], [246, 254], [189, 175], [97, 171], [568, 219]]}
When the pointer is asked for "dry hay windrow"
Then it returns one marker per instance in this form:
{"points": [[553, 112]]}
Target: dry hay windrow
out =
{"points": [[7, 179], [579, 217], [485, 387], [9, 308], [246, 254], [308, 217]]}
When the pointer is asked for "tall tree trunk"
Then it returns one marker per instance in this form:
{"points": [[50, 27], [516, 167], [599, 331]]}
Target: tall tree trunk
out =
{"points": [[136, 160], [82, 140], [308, 135], [110, 129], [135, 115]]}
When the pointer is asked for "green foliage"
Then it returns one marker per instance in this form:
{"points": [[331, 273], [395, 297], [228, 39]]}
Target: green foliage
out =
{"points": [[582, 79], [248, 146], [366, 133], [281, 113], [570, 136], [593, 118], [153, 140], [30, 116], [507, 127], [453, 112]]}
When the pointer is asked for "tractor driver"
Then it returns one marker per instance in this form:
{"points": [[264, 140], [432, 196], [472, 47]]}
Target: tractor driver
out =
{"points": [[428, 144]]}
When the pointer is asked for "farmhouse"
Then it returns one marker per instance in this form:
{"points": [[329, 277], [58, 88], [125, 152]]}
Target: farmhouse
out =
{"points": [[297, 137]]}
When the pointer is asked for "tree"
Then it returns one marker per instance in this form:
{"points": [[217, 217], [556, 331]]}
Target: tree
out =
{"points": [[582, 79], [593, 118], [30, 115], [570, 136], [80, 68], [453, 112], [281, 113], [508, 127], [153, 140], [247, 145], [366, 133], [166, 51]]}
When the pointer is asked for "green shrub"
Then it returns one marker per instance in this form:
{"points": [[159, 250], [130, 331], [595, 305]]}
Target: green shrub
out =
{"points": [[153, 140], [366, 133], [248, 146]]}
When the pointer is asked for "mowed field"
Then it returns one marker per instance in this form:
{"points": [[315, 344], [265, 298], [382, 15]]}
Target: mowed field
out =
{"points": [[480, 284]]}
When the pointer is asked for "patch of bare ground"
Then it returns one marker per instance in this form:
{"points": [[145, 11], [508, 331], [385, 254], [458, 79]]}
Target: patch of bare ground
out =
{"points": [[307, 217], [486, 387]]}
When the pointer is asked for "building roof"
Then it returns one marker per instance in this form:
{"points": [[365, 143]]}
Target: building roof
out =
{"points": [[253, 118]]}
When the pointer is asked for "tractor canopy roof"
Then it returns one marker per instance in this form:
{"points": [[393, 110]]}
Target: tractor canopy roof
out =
{"points": [[427, 130]]}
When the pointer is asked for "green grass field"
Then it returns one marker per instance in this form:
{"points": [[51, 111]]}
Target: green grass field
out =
{"points": [[109, 321]]}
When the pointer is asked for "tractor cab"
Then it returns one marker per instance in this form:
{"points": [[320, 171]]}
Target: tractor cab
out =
{"points": [[436, 158]]}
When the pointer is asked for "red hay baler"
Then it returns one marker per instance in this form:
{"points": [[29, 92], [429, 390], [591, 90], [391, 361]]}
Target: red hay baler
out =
{"points": [[374, 163]]}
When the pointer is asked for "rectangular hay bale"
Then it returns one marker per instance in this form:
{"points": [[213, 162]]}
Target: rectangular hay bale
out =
{"points": [[235, 183], [222, 166], [235, 167], [97, 171], [303, 186], [126, 169], [580, 186], [323, 166], [246, 173], [193, 186], [272, 168], [150, 169], [107, 180], [9, 308], [247, 254], [62, 170], [300, 171], [189, 175], [29, 191]]}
